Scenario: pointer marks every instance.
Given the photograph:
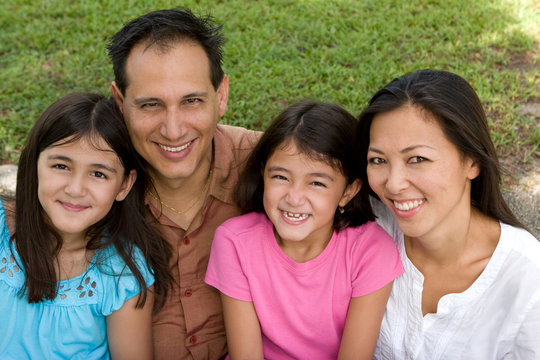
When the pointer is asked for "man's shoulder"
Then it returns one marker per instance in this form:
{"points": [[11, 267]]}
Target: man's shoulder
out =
{"points": [[240, 138]]}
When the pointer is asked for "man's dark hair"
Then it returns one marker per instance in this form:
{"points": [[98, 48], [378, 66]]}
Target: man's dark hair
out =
{"points": [[163, 28]]}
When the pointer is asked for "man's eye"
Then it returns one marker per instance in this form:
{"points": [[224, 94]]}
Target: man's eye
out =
{"points": [[149, 105], [193, 100]]}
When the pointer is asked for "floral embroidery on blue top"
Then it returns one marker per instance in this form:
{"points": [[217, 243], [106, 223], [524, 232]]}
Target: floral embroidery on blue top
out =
{"points": [[71, 326]]}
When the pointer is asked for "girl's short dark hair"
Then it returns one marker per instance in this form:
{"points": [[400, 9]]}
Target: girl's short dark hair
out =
{"points": [[89, 116], [455, 106], [322, 131]]}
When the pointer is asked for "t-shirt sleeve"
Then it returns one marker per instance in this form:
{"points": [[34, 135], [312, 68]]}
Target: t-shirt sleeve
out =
{"points": [[119, 283], [225, 271], [377, 261]]}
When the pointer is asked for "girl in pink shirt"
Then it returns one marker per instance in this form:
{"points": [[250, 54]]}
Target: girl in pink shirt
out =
{"points": [[304, 274]]}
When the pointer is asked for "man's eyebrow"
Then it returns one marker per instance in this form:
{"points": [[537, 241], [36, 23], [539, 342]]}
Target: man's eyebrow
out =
{"points": [[146, 99]]}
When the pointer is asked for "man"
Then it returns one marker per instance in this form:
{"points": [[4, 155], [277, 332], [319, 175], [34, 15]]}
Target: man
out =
{"points": [[172, 91]]}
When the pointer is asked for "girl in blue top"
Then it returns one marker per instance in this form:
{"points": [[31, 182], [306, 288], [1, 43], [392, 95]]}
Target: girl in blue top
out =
{"points": [[77, 258]]}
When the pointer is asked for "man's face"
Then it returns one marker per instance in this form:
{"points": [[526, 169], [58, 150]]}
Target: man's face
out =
{"points": [[171, 108]]}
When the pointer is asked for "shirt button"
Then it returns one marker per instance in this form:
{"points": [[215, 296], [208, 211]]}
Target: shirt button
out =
{"points": [[188, 293], [193, 339], [186, 241]]}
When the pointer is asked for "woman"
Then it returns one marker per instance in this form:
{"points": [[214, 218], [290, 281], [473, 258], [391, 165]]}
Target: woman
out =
{"points": [[472, 272]]}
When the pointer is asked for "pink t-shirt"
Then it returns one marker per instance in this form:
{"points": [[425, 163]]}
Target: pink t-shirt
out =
{"points": [[302, 307]]}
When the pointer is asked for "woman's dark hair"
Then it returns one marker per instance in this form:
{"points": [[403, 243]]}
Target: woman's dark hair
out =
{"points": [[322, 131], [93, 117], [453, 103]]}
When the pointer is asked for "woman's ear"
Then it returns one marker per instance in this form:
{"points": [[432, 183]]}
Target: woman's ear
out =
{"points": [[474, 169], [129, 180], [350, 191]]}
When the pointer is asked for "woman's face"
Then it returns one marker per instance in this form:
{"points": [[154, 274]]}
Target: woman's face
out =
{"points": [[418, 173]]}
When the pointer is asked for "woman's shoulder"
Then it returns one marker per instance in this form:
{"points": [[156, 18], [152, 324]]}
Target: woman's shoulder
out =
{"points": [[522, 243]]}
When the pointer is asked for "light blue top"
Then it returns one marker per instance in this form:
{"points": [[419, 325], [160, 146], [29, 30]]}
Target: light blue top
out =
{"points": [[72, 326]]}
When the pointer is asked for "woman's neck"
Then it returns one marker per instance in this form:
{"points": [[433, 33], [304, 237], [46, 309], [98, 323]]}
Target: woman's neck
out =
{"points": [[476, 232]]}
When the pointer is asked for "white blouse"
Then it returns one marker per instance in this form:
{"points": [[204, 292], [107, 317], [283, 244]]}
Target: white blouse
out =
{"points": [[497, 317]]}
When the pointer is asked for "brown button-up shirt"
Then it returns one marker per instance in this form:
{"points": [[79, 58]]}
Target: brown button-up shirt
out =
{"points": [[190, 325]]}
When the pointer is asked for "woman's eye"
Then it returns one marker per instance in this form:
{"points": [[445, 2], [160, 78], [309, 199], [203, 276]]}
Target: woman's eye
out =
{"points": [[60, 166], [375, 161], [279, 177], [417, 159]]}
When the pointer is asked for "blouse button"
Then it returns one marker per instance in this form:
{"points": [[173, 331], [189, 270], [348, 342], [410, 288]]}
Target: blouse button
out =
{"points": [[188, 293], [193, 340], [186, 241]]}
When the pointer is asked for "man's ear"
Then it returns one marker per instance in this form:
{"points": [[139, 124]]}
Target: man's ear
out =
{"points": [[350, 192], [223, 95], [126, 185], [117, 95]]}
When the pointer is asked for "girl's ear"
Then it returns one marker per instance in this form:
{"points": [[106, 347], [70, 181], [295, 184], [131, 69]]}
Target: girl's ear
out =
{"points": [[126, 185], [350, 191]]}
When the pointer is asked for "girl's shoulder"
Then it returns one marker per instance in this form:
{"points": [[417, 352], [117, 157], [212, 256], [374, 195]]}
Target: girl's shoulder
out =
{"points": [[7, 221], [245, 223], [370, 232]]}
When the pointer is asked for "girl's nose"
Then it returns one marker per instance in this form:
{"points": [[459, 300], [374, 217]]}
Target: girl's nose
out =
{"points": [[295, 196], [75, 186]]}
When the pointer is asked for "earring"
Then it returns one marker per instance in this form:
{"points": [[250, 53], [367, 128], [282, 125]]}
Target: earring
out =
{"points": [[341, 210]]}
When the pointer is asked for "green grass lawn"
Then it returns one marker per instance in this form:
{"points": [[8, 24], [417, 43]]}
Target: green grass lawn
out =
{"points": [[278, 52]]}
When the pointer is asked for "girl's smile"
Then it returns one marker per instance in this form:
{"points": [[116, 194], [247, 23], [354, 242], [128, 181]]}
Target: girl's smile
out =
{"points": [[301, 196]]}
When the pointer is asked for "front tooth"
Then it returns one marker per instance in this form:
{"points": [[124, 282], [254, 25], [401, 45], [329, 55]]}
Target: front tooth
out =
{"points": [[406, 206], [295, 216], [175, 149]]}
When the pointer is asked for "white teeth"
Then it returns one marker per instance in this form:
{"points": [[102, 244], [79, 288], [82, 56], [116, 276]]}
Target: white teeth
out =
{"points": [[294, 216], [408, 205], [174, 149]]}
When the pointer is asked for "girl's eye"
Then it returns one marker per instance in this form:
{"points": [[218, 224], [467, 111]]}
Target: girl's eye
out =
{"points": [[99, 174], [279, 177], [318, 183], [375, 161], [60, 166], [417, 159]]}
